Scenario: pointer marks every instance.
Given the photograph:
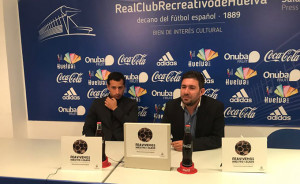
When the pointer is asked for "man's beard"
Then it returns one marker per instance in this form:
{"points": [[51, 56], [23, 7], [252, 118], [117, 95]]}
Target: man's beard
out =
{"points": [[191, 103]]}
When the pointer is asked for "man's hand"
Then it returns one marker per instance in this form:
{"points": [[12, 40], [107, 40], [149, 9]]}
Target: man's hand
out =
{"points": [[177, 145], [111, 103]]}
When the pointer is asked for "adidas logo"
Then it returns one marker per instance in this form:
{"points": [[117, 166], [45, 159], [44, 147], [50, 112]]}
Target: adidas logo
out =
{"points": [[241, 97], [166, 60], [71, 95], [279, 114], [207, 78]]}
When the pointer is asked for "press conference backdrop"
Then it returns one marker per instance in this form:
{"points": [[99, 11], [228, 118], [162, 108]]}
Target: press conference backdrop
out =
{"points": [[247, 50]]}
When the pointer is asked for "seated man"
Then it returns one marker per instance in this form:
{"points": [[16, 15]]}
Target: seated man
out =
{"points": [[202, 113], [113, 111]]}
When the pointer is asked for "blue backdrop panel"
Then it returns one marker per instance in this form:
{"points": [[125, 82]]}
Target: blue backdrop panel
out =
{"points": [[248, 52]]}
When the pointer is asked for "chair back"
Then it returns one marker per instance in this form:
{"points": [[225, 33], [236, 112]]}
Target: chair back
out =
{"points": [[285, 139]]}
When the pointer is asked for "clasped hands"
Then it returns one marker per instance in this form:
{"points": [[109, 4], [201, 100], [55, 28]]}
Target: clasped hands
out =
{"points": [[177, 145], [111, 103]]}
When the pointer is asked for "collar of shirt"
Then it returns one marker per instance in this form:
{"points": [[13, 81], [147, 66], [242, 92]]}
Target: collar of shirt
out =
{"points": [[191, 118]]}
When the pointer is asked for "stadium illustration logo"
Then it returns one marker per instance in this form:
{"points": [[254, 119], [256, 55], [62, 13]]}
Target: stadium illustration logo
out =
{"points": [[145, 134], [80, 146], [71, 95], [241, 97], [279, 114], [167, 60], [243, 148], [245, 73], [137, 91], [60, 23], [285, 91]]}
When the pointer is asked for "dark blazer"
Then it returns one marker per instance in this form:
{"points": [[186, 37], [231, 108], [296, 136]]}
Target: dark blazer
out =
{"points": [[209, 125], [112, 121]]}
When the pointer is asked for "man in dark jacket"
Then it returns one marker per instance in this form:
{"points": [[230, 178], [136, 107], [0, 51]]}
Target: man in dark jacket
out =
{"points": [[202, 113], [113, 111]]}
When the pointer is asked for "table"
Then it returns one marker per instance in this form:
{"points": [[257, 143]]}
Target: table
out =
{"points": [[283, 167], [30, 158]]}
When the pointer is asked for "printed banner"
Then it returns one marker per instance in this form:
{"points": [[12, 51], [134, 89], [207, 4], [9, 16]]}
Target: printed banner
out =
{"points": [[247, 50]]}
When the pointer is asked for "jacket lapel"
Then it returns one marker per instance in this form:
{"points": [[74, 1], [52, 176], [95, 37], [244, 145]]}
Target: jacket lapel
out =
{"points": [[200, 115]]}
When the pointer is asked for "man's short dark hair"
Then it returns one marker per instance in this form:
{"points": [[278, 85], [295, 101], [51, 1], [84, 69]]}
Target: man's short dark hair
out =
{"points": [[116, 76], [195, 75]]}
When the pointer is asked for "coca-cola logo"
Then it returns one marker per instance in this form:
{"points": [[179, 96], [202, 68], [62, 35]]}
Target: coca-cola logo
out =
{"points": [[138, 59], [287, 56], [73, 78], [246, 112], [211, 93], [97, 94], [142, 111], [172, 76], [189, 146]]}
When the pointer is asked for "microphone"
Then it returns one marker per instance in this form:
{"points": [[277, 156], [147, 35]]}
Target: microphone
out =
{"points": [[157, 109]]}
